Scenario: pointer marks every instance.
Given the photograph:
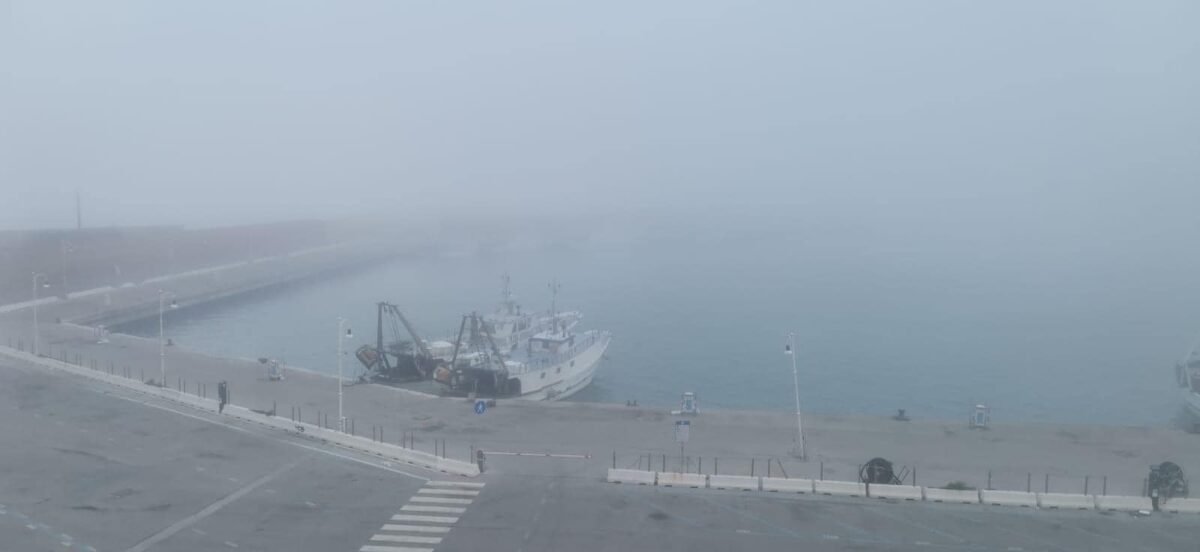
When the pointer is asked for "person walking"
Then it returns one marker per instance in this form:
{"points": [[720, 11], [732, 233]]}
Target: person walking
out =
{"points": [[223, 395]]}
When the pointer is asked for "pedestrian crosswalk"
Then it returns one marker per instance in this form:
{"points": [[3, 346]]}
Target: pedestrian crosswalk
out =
{"points": [[426, 519]]}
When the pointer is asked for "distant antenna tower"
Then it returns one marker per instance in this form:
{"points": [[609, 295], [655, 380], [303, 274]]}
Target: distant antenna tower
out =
{"points": [[78, 212], [554, 287]]}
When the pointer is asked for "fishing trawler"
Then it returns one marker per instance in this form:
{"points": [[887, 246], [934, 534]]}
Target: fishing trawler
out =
{"points": [[507, 353]]}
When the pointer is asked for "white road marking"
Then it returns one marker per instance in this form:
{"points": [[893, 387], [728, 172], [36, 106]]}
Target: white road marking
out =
{"points": [[454, 484], [440, 500], [208, 511], [425, 519], [415, 528], [455, 492], [407, 539], [433, 509], [374, 548]]}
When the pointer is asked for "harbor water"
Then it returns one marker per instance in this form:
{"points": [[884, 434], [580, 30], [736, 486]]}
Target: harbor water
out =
{"points": [[877, 331]]}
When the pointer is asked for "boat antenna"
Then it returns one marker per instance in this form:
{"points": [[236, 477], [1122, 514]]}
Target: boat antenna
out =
{"points": [[506, 293], [554, 287]]}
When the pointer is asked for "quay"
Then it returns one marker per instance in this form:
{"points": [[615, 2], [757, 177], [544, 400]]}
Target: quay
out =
{"points": [[560, 453]]}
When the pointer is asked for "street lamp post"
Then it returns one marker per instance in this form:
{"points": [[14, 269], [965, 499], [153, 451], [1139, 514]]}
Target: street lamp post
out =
{"points": [[799, 450], [37, 275], [348, 334], [162, 348]]}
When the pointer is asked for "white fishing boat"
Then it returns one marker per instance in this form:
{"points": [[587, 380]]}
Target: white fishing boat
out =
{"points": [[507, 353], [534, 356]]}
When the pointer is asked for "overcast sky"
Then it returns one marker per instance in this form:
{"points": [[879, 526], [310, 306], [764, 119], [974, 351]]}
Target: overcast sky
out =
{"points": [[1036, 116]]}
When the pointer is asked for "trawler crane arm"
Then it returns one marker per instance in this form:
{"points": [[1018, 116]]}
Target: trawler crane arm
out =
{"points": [[495, 350], [420, 343], [458, 342]]}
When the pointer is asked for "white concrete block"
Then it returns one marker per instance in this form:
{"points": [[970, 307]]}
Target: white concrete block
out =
{"points": [[839, 488], [934, 494], [1066, 501], [780, 485], [637, 477], [733, 482], [672, 479], [1116, 503], [1008, 498], [903, 492], [1181, 506]]}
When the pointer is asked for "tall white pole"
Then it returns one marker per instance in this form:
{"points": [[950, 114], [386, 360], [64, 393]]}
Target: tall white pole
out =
{"points": [[162, 351], [35, 312], [800, 452], [341, 419]]}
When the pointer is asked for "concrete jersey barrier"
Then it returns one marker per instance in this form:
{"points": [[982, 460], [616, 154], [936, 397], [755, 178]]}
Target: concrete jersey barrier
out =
{"points": [[1008, 498], [1116, 503], [1066, 501], [934, 494], [1181, 506], [639, 477], [780, 485], [903, 492], [673, 479], [733, 482], [839, 488]]}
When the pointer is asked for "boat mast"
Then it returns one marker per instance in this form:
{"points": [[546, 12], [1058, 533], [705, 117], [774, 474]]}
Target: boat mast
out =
{"points": [[554, 287]]}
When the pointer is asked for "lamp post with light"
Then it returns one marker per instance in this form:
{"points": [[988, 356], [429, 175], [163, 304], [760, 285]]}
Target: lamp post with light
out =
{"points": [[162, 348], [341, 334], [790, 349], [45, 284]]}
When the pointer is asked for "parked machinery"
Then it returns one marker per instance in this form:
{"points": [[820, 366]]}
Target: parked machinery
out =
{"points": [[880, 471]]}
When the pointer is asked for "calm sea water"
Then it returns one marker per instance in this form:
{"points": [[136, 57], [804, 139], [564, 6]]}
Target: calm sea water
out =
{"points": [[878, 330]]}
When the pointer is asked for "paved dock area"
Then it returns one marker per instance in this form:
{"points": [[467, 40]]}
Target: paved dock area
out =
{"points": [[1066, 458], [98, 469]]}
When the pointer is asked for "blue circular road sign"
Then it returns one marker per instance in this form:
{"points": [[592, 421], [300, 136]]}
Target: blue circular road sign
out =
{"points": [[480, 407]]}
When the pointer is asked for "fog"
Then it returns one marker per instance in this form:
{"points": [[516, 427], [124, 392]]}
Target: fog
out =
{"points": [[1068, 122]]}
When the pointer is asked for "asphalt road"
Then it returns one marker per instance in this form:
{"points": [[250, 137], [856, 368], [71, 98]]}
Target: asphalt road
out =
{"points": [[566, 510], [86, 468]]}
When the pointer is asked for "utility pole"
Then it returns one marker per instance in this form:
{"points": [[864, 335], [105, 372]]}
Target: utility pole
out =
{"points": [[790, 349]]}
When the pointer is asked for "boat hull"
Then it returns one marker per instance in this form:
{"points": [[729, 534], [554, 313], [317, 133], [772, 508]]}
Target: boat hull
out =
{"points": [[1191, 400], [559, 381]]}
